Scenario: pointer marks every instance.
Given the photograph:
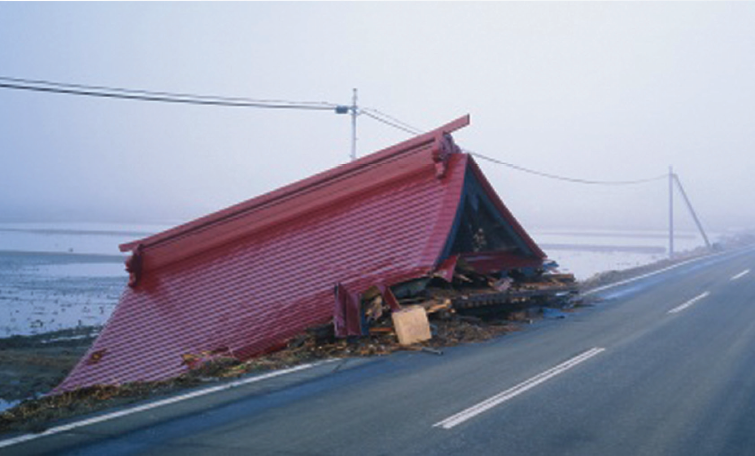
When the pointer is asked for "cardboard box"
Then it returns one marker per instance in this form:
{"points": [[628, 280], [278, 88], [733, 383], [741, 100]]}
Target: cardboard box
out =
{"points": [[411, 325]]}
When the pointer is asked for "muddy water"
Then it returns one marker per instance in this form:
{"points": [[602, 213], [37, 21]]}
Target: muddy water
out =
{"points": [[61, 276], [43, 292]]}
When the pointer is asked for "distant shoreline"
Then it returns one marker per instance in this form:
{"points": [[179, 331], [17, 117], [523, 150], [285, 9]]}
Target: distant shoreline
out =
{"points": [[605, 248], [89, 232], [75, 257]]}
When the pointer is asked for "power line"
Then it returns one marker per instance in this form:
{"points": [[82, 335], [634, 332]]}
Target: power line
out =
{"points": [[396, 123], [370, 114], [407, 127], [564, 178], [165, 99], [157, 93], [39, 85], [155, 96]]}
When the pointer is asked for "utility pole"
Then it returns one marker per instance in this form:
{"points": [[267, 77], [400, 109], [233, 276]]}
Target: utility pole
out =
{"points": [[670, 212], [692, 211], [354, 126], [354, 111]]}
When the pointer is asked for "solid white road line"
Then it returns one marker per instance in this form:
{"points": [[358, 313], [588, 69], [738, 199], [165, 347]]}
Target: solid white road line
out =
{"points": [[643, 276], [510, 393], [688, 303], [151, 405], [740, 275], [668, 268]]}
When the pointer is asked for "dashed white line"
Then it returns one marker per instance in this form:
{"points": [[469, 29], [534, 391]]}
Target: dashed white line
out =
{"points": [[510, 393], [688, 303], [740, 275], [151, 405]]}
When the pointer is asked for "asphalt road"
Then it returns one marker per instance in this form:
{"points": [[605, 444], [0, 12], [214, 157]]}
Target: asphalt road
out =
{"points": [[660, 366]]}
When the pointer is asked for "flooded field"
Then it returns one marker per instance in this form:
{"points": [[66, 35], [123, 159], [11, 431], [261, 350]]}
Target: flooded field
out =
{"points": [[588, 252], [60, 276], [43, 292]]}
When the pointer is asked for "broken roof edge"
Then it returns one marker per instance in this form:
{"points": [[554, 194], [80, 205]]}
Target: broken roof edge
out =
{"points": [[504, 210], [433, 137]]}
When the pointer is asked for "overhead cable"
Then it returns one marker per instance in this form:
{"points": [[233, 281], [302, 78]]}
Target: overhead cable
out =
{"points": [[39, 85], [563, 178], [155, 96], [394, 121], [407, 129]]}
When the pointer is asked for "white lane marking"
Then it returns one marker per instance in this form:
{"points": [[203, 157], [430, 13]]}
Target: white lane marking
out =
{"points": [[740, 275], [688, 303], [151, 405], [643, 276], [510, 393], [668, 268]]}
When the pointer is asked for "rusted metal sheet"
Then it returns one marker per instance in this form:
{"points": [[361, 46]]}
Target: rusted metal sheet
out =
{"points": [[250, 277]]}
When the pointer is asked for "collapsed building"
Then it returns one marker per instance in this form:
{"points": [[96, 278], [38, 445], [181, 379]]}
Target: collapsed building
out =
{"points": [[245, 280]]}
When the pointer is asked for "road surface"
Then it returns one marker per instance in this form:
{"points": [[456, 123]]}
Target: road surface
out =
{"points": [[664, 365]]}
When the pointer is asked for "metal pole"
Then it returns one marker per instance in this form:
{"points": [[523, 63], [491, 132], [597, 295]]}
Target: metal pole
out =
{"points": [[354, 126], [692, 211], [670, 212]]}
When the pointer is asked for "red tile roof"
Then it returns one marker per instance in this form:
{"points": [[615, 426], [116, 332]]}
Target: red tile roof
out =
{"points": [[246, 279]]}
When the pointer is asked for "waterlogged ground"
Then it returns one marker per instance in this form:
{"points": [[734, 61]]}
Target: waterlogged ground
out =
{"points": [[586, 253], [33, 365], [61, 276], [43, 292]]}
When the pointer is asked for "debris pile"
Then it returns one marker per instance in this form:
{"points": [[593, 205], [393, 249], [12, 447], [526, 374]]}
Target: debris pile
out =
{"points": [[426, 314], [482, 300], [431, 312]]}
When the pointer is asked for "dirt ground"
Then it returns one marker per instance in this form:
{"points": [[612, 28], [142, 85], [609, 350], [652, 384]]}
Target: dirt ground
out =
{"points": [[33, 365]]}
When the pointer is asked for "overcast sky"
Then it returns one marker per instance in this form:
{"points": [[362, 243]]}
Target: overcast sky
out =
{"points": [[588, 90]]}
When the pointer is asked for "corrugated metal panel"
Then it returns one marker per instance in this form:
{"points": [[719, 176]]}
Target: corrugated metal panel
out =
{"points": [[254, 293]]}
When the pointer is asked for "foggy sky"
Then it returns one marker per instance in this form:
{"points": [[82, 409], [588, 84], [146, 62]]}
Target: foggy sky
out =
{"points": [[588, 90]]}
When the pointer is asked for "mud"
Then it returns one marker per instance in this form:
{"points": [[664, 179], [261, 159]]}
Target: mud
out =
{"points": [[32, 365]]}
